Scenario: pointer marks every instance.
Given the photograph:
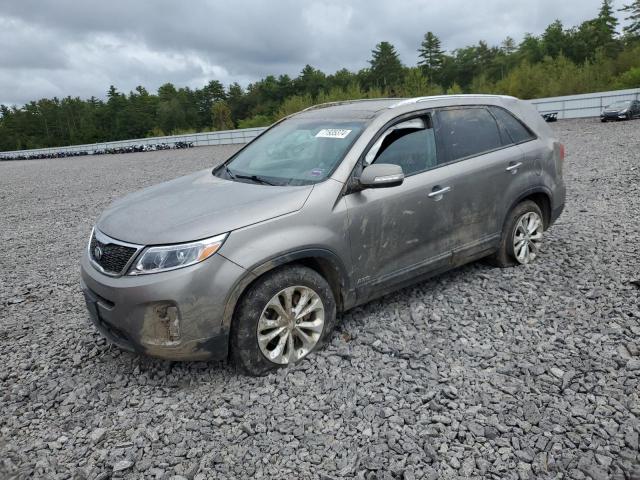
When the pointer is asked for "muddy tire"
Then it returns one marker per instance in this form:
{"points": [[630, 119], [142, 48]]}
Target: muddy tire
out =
{"points": [[506, 256], [284, 316]]}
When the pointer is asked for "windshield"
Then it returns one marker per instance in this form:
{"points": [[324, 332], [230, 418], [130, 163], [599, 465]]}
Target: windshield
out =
{"points": [[294, 152], [620, 105]]}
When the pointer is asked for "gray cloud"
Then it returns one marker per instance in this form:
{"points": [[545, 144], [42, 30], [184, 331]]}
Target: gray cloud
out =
{"points": [[65, 47]]}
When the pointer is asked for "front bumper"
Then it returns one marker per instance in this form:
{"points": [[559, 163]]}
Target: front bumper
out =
{"points": [[613, 116], [131, 311]]}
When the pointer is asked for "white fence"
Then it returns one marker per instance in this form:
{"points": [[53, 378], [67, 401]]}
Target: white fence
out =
{"points": [[572, 106], [225, 137], [586, 105]]}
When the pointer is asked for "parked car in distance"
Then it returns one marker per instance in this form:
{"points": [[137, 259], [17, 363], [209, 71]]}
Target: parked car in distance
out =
{"points": [[327, 209], [622, 110]]}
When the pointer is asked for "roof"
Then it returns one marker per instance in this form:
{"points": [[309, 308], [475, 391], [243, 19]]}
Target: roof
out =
{"points": [[369, 108], [354, 109]]}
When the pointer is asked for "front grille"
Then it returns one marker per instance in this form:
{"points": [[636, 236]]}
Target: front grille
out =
{"points": [[114, 257]]}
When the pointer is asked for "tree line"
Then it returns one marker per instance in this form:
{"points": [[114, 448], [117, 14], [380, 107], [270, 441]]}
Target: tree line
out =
{"points": [[588, 57]]}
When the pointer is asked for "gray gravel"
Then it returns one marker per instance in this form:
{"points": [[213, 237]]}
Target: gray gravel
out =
{"points": [[531, 372]]}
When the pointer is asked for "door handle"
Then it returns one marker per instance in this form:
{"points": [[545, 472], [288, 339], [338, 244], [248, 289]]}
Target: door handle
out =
{"points": [[437, 194], [514, 167]]}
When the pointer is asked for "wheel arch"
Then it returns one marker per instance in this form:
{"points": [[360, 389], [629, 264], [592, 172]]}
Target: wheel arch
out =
{"points": [[325, 262], [541, 196]]}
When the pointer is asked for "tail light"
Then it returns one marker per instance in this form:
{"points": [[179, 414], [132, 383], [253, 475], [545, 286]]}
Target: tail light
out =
{"points": [[562, 154]]}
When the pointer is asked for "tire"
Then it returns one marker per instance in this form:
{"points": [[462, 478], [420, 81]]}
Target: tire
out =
{"points": [[256, 318], [506, 255]]}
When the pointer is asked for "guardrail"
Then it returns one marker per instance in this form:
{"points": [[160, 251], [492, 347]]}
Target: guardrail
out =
{"points": [[584, 105], [572, 106]]}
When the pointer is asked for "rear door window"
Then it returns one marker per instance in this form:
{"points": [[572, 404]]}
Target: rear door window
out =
{"points": [[513, 131], [466, 132]]}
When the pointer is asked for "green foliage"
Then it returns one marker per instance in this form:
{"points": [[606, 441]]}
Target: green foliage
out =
{"points": [[221, 116], [155, 132], [416, 84], [588, 57], [294, 104], [255, 121], [629, 79], [554, 40], [454, 89], [188, 131]]}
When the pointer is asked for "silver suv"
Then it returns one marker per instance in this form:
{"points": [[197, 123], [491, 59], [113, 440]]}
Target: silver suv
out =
{"points": [[325, 210]]}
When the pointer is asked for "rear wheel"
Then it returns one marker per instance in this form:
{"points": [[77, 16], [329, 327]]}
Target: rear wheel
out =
{"points": [[283, 317], [521, 236]]}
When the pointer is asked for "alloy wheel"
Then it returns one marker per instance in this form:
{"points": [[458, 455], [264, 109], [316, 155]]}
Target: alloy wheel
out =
{"points": [[527, 237], [290, 325]]}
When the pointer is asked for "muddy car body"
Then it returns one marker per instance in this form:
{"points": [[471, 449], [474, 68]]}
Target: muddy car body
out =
{"points": [[415, 187]]}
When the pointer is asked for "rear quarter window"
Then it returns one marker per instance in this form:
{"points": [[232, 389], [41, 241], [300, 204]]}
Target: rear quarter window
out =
{"points": [[513, 131]]}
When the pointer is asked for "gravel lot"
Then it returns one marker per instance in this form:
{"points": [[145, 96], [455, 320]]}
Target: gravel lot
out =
{"points": [[531, 372]]}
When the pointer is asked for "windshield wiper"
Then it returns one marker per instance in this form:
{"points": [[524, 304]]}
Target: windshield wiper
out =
{"points": [[229, 172], [254, 178]]}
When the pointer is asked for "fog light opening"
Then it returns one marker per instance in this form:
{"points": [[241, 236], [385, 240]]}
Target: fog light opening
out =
{"points": [[169, 316], [174, 323]]}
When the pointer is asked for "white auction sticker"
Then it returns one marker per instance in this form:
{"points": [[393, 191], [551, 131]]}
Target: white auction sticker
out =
{"points": [[333, 133]]}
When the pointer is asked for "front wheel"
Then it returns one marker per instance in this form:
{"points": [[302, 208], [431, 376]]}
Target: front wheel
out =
{"points": [[282, 318], [521, 236]]}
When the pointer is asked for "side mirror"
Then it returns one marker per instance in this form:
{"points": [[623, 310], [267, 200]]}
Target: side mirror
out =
{"points": [[381, 175]]}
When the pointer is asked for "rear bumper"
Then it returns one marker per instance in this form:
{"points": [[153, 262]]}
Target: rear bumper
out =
{"points": [[555, 214], [132, 312], [558, 201]]}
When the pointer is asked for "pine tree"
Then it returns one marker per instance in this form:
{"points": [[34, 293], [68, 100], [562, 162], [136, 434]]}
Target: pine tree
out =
{"points": [[554, 39], [310, 81], [608, 21], [431, 56], [508, 46], [605, 25], [386, 71], [205, 98], [237, 101], [633, 29]]}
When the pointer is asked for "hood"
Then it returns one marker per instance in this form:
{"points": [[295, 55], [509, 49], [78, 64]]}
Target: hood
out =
{"points": [[196, 206]]}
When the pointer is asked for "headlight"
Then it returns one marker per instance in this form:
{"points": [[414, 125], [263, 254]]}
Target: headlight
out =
{"points": [[623, 112], [170, 257]]}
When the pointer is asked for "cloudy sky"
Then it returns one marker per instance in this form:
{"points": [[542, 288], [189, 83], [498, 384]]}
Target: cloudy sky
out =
{"points": [[79, 48]]}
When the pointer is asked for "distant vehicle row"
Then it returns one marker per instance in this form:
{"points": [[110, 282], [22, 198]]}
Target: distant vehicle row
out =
{"points": [[106, 151]]}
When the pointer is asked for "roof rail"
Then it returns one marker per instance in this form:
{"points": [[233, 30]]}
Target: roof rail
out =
{"points": [[411, 101], [343, 102]]}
